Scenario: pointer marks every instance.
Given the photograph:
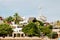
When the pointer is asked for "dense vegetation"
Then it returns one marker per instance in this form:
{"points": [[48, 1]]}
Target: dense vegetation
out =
{"points": [[31, 30], [37, 28], [5, 29], [34, 28]]}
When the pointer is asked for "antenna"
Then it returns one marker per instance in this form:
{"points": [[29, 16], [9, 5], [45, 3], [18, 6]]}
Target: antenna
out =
{"points": [[41, 16], [40, 11]]}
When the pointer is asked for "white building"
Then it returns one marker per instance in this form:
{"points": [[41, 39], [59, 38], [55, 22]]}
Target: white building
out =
{"points": [[17, 30], [24, 22], [42, 18]]}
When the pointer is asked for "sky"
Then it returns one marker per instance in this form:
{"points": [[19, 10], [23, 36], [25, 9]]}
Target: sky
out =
{"points": [[31, 8]]}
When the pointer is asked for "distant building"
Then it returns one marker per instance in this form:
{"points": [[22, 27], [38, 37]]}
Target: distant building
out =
{"points": [[42, 18], [17, 30], [56, 24], [56, 27], [24, 22], [31, 19], [1, 20]]}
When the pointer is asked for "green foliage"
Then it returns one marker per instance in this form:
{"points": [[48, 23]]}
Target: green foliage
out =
{"points": [[53, 35], [31, 29], [45, 30], [34, 28], [41, 23], [37, 28], [5, 29], [50, 27], [17, 18], [9, 19]]}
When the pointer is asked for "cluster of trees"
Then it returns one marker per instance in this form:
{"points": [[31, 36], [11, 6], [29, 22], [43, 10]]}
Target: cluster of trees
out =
{"points": [[5, 28], [34, 28], [16, 18], [37, 28]]}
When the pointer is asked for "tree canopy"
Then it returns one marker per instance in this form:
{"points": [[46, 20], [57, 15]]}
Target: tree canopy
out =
{"points": [[36, 28], [17, 18], [5, 29], [31, 29]]}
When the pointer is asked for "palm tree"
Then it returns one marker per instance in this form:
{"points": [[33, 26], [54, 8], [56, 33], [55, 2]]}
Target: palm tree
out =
{"points": [[17, 18]]}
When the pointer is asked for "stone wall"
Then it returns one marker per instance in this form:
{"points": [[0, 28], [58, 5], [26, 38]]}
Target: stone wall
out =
{"points": [[22, 38]]}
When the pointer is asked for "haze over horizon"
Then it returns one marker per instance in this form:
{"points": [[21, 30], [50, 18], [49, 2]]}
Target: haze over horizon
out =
{"points": [[28, 8]]}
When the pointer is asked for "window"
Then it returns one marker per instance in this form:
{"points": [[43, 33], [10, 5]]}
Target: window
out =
{"points": [[18, 26]]}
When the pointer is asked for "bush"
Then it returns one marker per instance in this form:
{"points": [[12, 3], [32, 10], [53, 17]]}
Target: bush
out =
{"points": [[53, 35]]}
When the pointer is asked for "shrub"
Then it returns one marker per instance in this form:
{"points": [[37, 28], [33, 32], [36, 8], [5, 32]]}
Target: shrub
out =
{"points": [[53, 35]]}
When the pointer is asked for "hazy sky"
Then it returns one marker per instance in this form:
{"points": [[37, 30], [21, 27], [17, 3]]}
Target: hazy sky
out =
{"points": [[27, 8]]}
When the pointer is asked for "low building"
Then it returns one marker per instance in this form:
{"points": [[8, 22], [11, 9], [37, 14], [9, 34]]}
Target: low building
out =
{"points": [[31, 19], [56, 27], [42, 18], [24, 22], [1, 20], [17, 30]]}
